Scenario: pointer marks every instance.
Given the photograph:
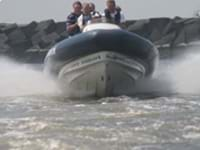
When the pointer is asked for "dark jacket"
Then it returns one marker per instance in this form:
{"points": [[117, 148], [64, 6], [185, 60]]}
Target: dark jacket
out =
{"points": [[72, 19], [116, 19]]}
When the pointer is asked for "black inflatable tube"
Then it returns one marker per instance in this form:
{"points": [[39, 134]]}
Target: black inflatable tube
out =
{"points": [[119, 41]]}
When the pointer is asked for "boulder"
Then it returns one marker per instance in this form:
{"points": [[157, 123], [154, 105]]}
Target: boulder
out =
{"points": [[156, 27], [192, 31], [7, 28], [155, 35], [60, 27], [3, 38], [179, 38], [166, 39], [138, 25], [48, 40], [47, 26], [191, 20], [63, 36], [36, 38], [129, 23], [173, 27], [178, 19], [15, 37], [4, 48], [159, 23], [29, 29], [1, 26], [18, 41], [44, 40]]}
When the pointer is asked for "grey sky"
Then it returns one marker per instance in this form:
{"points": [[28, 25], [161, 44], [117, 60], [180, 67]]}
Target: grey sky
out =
{"points": [[24, 11]]}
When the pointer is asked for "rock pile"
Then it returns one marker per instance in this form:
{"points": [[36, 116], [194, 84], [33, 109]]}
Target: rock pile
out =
{"points": [[162, 31], [31, 42]]}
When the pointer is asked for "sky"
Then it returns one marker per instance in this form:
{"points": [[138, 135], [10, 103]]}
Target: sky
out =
{"points": [[25, 11]]}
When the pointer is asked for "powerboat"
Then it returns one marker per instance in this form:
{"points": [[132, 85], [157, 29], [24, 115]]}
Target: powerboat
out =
{"points": [[104, 60]]}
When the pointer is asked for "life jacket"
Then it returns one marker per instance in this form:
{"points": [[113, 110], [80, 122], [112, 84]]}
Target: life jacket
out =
{"points": [[86, 19], [116, 19]]}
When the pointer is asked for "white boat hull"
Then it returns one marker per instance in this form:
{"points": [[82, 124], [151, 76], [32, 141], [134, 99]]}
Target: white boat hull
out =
{"points": [[100, 75]]}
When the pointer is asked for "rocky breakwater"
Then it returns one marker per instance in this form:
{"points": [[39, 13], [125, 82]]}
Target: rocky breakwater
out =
{"points": [[166, 31], [168, 34], [31, 42]]}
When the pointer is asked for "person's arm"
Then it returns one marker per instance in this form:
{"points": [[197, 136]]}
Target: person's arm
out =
{"points": [[71, 24], [71, 27], [123, 20]]}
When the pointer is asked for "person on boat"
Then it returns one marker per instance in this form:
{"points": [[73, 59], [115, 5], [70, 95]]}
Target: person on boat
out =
{"points": [[71, 23], [95, 14], [113, 13], [86, 17]]}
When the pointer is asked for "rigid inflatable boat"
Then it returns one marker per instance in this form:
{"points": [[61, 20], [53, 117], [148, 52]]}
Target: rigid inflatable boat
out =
{"points": [[102, 61]]}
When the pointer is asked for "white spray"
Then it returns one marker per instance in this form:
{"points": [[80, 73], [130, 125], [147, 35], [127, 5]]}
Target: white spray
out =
{"points": [[20, 80], [180, 75], [172, 76], [186, 75]]}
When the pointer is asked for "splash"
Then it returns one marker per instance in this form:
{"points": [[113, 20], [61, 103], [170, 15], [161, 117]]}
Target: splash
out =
{"points": [[178, 75], [185, 75], [172, 76], [159, 84], [184, 72], [21, 80]]}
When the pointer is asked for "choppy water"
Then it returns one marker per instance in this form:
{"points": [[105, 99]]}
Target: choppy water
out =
{"points": [[39, 122], [165, 115]]}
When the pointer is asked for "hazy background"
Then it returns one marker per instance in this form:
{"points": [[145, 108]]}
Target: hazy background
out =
{"points": [[24, 11]]}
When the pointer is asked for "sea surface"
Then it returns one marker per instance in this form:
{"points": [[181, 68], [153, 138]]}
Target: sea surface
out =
{"points": [[164, 114]]}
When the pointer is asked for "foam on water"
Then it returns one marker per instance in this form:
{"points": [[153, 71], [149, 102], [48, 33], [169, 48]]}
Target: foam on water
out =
{"points": [[179, 75], [19, 80]]}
